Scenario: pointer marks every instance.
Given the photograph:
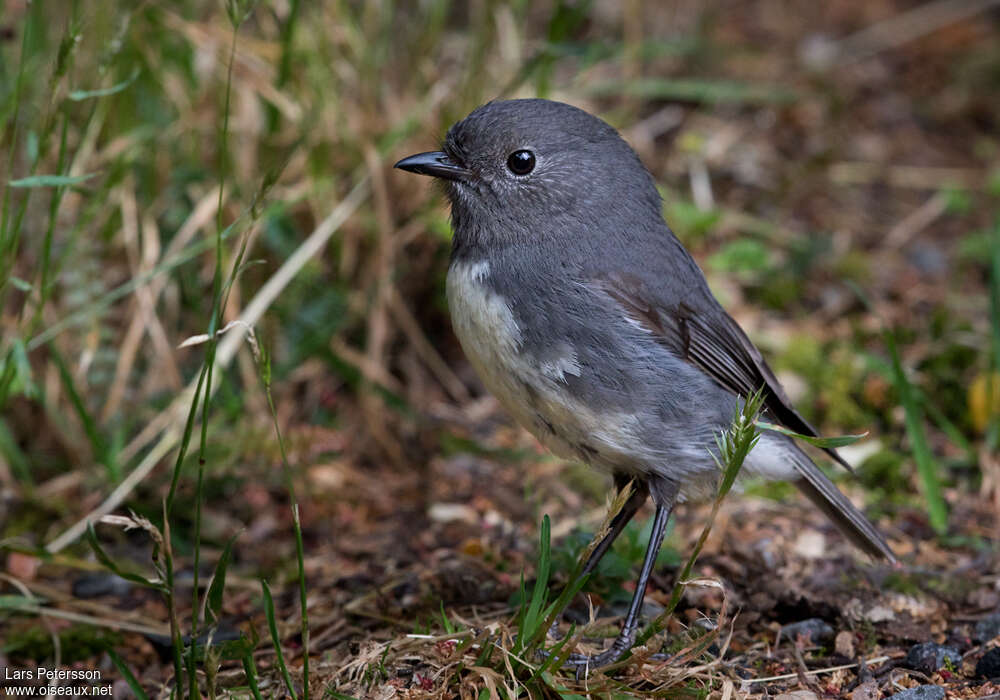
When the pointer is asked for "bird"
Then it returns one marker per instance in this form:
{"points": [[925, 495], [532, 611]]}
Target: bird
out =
{"points": [[585, 316]]}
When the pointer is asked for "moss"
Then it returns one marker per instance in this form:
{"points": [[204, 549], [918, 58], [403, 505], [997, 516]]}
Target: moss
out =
{"points": [[834, 376], [854, 265], [882, 473], [32, 642]]}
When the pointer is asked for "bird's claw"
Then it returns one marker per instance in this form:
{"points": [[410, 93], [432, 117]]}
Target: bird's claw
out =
{"points": [[584, 663]]}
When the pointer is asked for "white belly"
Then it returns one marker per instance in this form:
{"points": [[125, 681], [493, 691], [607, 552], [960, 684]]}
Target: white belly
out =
{"points": [[533, 388]]}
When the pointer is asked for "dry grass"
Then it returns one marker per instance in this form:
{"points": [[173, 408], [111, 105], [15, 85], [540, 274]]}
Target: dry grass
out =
{"points": [[796, 150]]}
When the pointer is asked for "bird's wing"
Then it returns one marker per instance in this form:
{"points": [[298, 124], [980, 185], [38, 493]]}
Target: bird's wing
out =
{"points": [[711, 340]]}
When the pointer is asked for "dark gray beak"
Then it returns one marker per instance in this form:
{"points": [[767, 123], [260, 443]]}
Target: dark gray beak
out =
{"points": [[435, 164]]}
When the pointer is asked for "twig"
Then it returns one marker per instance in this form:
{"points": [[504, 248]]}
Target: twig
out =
{"points": [[919, 219], [801, 670], [816, 671], [91, 620], [54, 595]]}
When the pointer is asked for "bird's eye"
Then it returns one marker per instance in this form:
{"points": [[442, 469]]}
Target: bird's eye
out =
{"points": [[521, 162]]}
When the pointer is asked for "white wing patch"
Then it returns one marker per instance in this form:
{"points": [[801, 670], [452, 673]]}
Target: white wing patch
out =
{"points": [[565, 362]]}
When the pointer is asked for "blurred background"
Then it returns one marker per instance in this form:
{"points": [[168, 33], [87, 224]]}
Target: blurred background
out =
{"points": [[169, 168]]}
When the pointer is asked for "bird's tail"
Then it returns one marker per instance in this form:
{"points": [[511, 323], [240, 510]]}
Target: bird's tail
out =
{"points": [[828, 498]]}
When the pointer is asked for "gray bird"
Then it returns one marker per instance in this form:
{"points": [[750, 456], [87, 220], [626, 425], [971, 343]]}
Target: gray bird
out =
{"points": [[589, 321]]}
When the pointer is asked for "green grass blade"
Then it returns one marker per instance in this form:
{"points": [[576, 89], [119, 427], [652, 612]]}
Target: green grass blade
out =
{"points": [[18, 603], [11, 451], [264, 365], [539, 594], [213, 600], [937, 509], [50, 180], [552, 613], [823, 442], [250, 671], [97, 445], [80, 95], [272, 626], [130, 679], [557, 655], [449, 628]]}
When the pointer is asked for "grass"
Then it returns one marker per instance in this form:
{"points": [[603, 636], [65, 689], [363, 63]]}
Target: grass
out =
{"points": [[164, 166]]}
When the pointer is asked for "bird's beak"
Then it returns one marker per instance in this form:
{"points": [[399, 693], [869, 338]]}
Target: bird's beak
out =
{"points": [[435, 164]]}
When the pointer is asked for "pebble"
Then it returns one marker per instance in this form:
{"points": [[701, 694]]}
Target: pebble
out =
{"points": [[929, 657], [989, 666], [100, 584], [921, 692], [813, 630], [866, 691], [798, 695], [987, 628], [844, 643]]}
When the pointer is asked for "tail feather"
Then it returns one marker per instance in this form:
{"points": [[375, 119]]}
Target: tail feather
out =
{"points": [[828, 498]]}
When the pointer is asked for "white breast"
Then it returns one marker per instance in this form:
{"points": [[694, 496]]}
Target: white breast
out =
{"points": [[486, 327], [532, 388]]}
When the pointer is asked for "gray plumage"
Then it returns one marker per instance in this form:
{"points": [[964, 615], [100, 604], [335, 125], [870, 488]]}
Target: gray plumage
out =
{"points": [[590, 322]]}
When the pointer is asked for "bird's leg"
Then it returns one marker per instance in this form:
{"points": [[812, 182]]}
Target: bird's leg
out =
{"points": [[626, 637], [618, 523]]}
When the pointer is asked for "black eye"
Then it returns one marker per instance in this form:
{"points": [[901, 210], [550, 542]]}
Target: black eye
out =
{"points": [[521, 162]]}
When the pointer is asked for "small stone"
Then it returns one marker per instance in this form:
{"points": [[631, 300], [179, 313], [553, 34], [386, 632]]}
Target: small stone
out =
{"points": [[880, 613], [987, 628], [23, 566], [844, 644], [921, 692], [989, 666], [930, 260], [798, 695], [982, 597], [818, 52], [866, 691], [810, 544], [100, 584], [929, 657], [450, 512], [811, 631]]}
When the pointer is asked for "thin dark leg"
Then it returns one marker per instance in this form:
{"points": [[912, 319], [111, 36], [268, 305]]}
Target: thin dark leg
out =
{"points": [[618, 523], [639, 495], [626, 637]]}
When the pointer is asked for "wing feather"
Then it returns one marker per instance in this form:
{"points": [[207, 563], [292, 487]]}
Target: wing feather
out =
{"points": [[711, 340]]}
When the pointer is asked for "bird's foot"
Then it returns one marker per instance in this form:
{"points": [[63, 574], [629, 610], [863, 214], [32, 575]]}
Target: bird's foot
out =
{"points": [[584, 663]]}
